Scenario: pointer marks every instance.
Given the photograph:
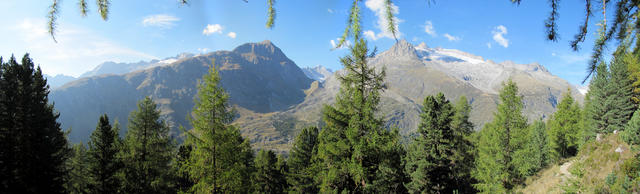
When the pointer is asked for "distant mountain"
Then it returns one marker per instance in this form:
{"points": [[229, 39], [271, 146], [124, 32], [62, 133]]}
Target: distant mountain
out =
{"points": [[318, 73], [258, 76], [274, 98], [58, 80], [111, 67]]}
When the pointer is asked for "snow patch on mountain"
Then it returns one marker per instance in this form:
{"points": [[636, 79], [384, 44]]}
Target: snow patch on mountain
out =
{"points": [[318, 73]]}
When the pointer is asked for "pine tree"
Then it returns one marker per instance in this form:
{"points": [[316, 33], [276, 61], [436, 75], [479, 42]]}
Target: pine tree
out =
{"points": [[631, 133], [538, 146], [497, 167], [564, 128], [183, 181], [147, 152], [430, 155], [354, 148], [221, 160], [597, 104], [302, 167], [268, 178], [622, 87], [34, 148], [103, 164], [77, 182], [463, 156]]}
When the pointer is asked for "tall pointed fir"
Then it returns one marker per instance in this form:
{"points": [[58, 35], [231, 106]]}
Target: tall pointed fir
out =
{"points": [[76, 181], [631, 133], [268, 178], [358, 154], [103, 164], [33, 148], [538, 145], [597, 104], [430, 156], [463, 155], [221, 160], [302, 164], [147, 152], [622, 87], [564, 128], [499, 142]]}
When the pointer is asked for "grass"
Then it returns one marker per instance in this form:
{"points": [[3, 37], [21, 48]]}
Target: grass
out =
{"points": [[587, 171]]}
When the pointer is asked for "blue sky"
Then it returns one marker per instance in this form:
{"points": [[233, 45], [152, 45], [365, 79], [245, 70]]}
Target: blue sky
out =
{"points": [[153, 29]]}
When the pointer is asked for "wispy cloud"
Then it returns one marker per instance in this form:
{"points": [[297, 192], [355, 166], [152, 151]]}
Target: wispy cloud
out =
{"points": [[331, 10], [334, 44], [428, 28], [212, 28], [160, 20], [78, 49], [378, 7], [231, 35], [498, 36], [451, 37], [488, 45]]}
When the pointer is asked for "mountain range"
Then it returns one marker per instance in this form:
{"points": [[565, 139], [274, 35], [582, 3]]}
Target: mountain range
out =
{"points": [[274, 98]]}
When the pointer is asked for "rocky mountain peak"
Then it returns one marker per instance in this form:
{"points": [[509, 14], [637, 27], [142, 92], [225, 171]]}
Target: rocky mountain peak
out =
{"points": [[402, 48], [264, 48]]}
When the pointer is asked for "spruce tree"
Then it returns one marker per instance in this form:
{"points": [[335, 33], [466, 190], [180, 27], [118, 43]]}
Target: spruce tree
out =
{"points": [[631, 133], [429, 158], [103, 164], [463, 156], [183, 181], [538, 145], [77, 182], [497, 167], [34, 148], [597, 104], [147, 152], [221, 159], [622, 87], [355, 150], [268, 178], [302, 167], [564, 128]]}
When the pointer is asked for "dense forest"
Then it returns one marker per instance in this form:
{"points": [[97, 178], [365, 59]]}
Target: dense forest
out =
{"points": [[352, 152]]}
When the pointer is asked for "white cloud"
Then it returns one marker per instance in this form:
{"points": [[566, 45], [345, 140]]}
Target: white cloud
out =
{"points": [[203, 50], [231, 35], [451, 37], [498, 36], [428, 28], [334, 44], [212, 28], [160, 20], [378, 7], [370, 35], [553, 54], [77, 51], [488, 45], [330, 10]]}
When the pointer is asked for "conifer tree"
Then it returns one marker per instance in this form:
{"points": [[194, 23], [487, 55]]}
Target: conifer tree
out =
{"points": [[497, 167], [268, 178], [33, 148], [622, 87], [77, 182], [631, 133], [221, 160], [302, 167], [463, 156], [564, 128], [147, 152], [102, 159], [538, 145], [597, 103], [429, 158], [355, 150], [183, 181]]}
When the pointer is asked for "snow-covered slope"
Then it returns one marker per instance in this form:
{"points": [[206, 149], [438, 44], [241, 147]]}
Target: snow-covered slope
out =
{"points": [[111, 67], [318, 73]]}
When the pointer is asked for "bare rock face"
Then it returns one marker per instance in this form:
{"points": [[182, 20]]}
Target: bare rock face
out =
{"points": [[275, 98]]}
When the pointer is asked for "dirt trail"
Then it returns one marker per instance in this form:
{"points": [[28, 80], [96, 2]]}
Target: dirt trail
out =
{"points": [[564, 168]]}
